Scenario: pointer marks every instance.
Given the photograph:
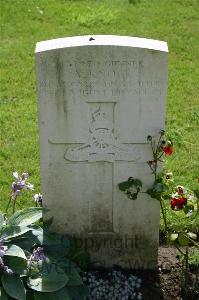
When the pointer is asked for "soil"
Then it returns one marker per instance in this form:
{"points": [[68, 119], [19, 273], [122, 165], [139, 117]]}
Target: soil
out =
{"points": [[167, 282], [171, 279]]}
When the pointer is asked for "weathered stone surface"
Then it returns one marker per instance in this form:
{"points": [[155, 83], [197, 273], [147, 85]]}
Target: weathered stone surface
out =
{"points": [[98, 102]]}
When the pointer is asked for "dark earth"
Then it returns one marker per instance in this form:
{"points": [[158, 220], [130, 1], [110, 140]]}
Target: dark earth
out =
{"points": [[167, 282], [170, 279]]}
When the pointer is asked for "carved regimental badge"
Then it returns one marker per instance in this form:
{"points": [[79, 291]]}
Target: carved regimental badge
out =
{"points": [[101, 145]]}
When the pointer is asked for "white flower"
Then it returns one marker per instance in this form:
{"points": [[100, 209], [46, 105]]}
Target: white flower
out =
{"points": [[38, 199], [176, 195], [181, 190], [16, 175], [169, 176], [24, 176], [29, 186], [192, 198]]}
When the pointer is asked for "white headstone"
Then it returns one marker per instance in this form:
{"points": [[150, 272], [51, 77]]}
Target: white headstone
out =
{"points": [[99, 99]]}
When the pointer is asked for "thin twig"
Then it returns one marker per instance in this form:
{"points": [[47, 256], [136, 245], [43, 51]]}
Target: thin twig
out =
{"points": [[180, 250], [8, 204]]}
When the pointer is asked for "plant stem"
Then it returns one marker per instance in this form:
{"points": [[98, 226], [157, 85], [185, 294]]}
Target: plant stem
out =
{"points": [[161, 156], [186, 267], [14, 204], [187, 236], [155, 171], [180, 251], [158, 144], [8, 204], [152, 148], [197, 211], [164, 215]]}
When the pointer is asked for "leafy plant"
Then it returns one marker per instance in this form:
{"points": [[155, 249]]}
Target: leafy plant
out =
{"points": [[33, 261], [131, 187], [180, 198]]}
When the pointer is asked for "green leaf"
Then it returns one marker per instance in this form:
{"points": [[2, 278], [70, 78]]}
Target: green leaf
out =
{"points": [[14, 250], [188, 209], [196, 193], [38, 235], [189, 214], [153, 194], [26, 216], [133, 196], [192, 235], [56, 251], [44, 237], [137, 182], [13, 231], [26, 242], [173, 237], [183, 239], [123, 186], [59, 295], [18, 265], [3, 295], [1, 220], [160, 178], [78, 292], [51, 278], [30, 295], [14, 286], [56, 245], [74, 278], [66, 264], [48, 222], [160, 187]]}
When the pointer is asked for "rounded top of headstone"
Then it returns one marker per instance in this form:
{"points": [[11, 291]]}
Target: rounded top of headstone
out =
{"points": [[101, 40]]}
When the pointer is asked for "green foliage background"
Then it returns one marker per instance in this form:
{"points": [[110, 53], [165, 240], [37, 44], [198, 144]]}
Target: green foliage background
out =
{"points": [[25, 22]]}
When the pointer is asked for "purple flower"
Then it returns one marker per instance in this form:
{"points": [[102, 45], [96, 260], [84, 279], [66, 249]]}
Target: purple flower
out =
{"points": [[2, 242], [2, 248], [17, 187], [38, 254], [20, 184], [2, 251], [38, 199], [7, 270]]}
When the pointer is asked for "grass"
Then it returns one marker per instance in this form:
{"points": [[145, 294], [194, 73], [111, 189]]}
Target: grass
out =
{"points": [[25, 22]]}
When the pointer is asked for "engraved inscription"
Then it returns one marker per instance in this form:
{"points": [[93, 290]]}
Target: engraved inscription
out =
{"points": [[114, 77]]}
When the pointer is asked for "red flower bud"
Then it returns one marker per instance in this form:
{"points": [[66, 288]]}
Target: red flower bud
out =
{"points": [[180, 190], [152, 162]]}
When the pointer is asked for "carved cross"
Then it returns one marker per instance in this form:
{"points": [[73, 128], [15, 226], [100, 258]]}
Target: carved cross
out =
{"points": [[102, 146]]}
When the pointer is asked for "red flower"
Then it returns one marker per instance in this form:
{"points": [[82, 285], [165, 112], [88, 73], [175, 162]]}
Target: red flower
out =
{"points": [[178, 203], [168, 150]]}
